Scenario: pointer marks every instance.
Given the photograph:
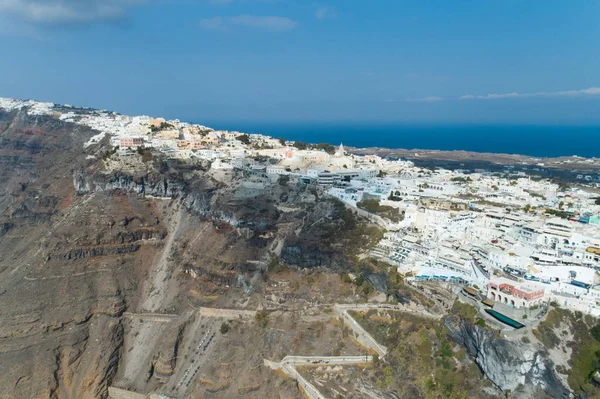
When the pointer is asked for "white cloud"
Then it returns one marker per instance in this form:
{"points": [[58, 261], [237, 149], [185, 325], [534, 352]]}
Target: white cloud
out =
{"points": [[591, 91], [216, 23], [324, 12], [66, 11], [267, 23], [431, 99]]}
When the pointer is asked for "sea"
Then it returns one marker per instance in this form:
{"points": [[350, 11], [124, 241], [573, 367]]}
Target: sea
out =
{"points": [[532, 140]]}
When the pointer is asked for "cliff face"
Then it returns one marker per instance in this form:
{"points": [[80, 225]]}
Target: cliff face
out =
{"points": [[79, 245], [68, 263], [513, 367]]}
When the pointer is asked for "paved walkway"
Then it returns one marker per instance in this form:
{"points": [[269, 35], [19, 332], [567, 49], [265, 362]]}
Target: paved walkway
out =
{"points": [[226, 313], [147, 316]]}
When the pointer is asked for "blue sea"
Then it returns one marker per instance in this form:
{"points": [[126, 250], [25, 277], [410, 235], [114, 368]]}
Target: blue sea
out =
{"points": [[539, 141]]}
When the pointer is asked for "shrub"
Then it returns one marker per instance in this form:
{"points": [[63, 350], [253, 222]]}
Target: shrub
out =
{"points": [[224, 328], [244, 138], [373, 206], [146, 154], [595, 332], [283, 180], [262, 318], [560, 214], [300, 145], [327, 147]]}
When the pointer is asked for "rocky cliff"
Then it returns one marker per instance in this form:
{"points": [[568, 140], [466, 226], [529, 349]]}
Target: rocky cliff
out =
{"points": [[515, 367], [89, 241], [81, 243], [69, 264]]}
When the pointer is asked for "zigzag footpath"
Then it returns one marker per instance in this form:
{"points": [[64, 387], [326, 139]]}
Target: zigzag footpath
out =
{"points": [[288, 364]]}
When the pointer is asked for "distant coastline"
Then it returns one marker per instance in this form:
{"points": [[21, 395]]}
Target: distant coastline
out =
{"points": [[533, 141]]}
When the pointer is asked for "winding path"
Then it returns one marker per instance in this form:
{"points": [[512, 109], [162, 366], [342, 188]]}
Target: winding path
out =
{"points": [[288, 364]]}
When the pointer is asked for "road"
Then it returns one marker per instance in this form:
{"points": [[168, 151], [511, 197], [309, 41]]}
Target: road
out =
{"points": [[193, 354]]}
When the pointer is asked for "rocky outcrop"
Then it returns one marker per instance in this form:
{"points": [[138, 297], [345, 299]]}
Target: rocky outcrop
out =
{"points": [[304, 255], [103, 250], [197, 199], [166, 361], [148, 184], [5, 227], [222, 279], [111, 354], [513, 367]]}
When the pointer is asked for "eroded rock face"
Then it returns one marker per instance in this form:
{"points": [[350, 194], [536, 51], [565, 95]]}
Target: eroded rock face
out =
{"points": [[305, 255], [67, 264], [513, 367], [164, 366]]}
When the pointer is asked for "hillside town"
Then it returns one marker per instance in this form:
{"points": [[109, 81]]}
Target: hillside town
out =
{"points": [[513, 238]]}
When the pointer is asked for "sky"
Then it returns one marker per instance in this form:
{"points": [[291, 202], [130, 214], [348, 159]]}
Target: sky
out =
{"points": [[385, 61]]}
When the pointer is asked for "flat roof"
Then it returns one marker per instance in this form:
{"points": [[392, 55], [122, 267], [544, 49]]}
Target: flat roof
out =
{"points": [[412, 239]]}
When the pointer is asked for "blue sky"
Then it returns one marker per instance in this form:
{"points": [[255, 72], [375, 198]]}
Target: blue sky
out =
{"points": [[418, 61]]}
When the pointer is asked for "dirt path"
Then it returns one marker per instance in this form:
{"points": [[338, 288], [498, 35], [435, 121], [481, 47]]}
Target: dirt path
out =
{"points": [[157, 290], [156, 295]]}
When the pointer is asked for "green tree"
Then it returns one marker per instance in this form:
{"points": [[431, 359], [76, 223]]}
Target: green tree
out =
{"points": [[359, 280], [559, 213], [564, 187], [327, 147], [300, 145], [394, 280], [244, 138], [224, 328], [392, 197], [595, 332]]}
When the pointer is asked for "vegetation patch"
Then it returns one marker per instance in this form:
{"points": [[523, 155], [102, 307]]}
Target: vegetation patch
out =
{"points": [[585, 346], [422, 361], [385, 211]]}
